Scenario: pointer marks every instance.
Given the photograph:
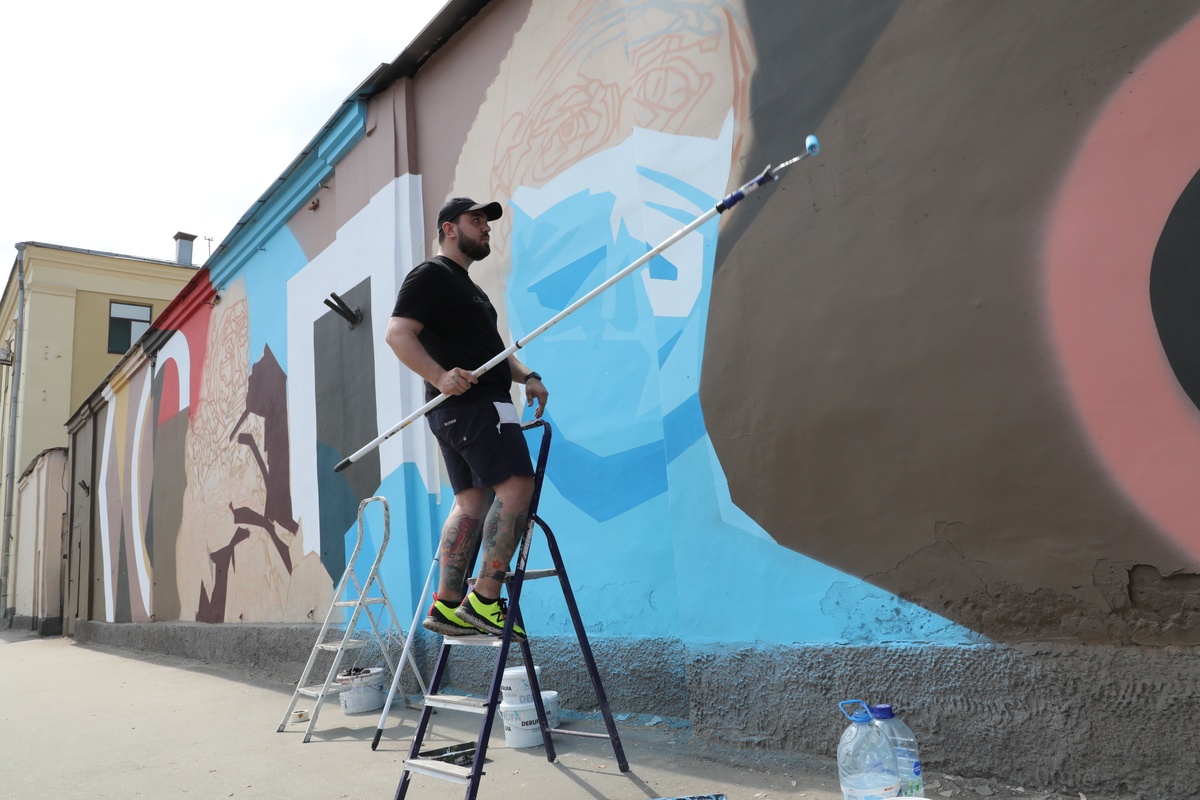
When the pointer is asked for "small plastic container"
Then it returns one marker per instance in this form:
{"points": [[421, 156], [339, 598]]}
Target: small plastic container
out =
{"points": [[904, 745], [866, 761]]}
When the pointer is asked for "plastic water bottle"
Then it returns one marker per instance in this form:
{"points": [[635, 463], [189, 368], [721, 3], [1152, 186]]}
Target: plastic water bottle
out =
{"points": [[866, 759], [904, 744]]}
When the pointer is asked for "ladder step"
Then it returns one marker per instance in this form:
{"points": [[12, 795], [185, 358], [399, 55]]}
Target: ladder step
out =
{"points": [[534, 574], [315, 691], [350, 645], [439, 769], [366, 601], [530, 575], [482, 640], [459, 702]]}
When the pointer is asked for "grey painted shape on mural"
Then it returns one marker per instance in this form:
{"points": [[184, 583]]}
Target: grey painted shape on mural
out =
{"points": [[121, 610], [166, 509], [801, 71], [344, 381]]}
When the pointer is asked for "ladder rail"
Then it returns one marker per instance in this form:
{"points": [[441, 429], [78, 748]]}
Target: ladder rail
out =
{"points": [[352, 623], [333, 609], [362, 603], [589, 658]]}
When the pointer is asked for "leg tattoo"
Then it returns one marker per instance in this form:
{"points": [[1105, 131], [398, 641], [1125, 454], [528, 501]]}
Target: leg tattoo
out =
{"points": [[460, 536], [501, 530]]}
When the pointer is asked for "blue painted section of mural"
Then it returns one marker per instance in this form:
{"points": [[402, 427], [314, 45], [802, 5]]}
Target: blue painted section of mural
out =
{"points": [[266, 286], [416, 521], [653, 541]]}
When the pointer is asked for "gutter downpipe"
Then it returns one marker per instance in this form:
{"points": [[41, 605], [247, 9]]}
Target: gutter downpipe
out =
{"points": [[12, 436]]}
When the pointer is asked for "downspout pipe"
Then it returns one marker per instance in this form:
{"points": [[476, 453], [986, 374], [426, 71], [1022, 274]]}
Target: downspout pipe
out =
{"points": [[11, 456]]}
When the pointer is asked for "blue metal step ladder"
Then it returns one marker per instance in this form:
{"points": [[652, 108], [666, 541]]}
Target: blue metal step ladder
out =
{"points": [[469, 775]]}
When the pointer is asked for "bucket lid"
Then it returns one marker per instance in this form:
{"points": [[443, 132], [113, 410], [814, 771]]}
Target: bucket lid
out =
{"points": [[882, 711]]}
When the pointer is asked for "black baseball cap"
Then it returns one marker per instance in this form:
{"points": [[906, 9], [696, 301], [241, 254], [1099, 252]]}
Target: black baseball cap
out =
{"points": [[461, 205]]}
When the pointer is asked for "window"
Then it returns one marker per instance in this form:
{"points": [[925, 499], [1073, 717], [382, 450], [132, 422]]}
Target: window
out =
{"points": [[126, 322]]}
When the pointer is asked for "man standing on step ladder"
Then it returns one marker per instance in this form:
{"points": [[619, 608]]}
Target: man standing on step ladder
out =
{"points": [[443, 328]]}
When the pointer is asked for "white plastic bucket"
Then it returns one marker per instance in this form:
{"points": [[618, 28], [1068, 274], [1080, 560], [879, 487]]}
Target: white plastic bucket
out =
{"points": [[366, 692], [550, 703], [514, 685], [521, 728]]}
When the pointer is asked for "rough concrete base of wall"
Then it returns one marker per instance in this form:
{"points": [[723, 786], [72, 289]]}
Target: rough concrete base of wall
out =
{"points": [[1114, 720], [43, 626], [272, 654], [646, 676]]}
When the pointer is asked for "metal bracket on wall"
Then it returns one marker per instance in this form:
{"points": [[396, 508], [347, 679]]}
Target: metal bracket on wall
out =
{"points": [[354, 317]]}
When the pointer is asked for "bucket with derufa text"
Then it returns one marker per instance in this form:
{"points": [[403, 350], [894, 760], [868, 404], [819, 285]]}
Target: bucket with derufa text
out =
{"points": [[521, 727], [514, 685]]}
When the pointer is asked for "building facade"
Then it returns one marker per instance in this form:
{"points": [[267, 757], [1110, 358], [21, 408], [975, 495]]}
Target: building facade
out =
{"points": [[917, 423], [67, 316]]}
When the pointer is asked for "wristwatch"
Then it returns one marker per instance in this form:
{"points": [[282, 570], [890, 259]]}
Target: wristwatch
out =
{"points": [[532, 375]]}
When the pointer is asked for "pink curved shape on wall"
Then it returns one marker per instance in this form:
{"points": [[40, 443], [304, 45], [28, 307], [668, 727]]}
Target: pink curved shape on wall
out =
{"points": [[168, 402], [1141, 153]]}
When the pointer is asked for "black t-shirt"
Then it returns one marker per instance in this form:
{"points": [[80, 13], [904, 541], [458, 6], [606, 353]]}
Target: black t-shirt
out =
{"points": [[460, 325]]}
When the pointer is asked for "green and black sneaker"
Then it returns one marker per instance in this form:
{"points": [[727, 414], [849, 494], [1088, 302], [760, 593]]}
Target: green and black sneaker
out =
{"points": [[442, 620], [487, 617]]}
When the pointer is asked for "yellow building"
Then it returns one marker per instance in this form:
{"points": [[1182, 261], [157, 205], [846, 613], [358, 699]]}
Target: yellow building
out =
{"points": [[66, 317]]}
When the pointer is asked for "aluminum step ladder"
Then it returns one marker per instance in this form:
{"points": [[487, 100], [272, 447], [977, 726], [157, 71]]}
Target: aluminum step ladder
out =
{"points": [[452, 768], [378, 613]]}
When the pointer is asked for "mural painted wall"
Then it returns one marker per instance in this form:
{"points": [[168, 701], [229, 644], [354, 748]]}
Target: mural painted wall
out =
{"points": [[935, 386], [980, 433]]}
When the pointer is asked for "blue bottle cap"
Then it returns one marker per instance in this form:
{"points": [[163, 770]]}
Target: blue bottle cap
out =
{"points": [[883, 711], [860, 714]]}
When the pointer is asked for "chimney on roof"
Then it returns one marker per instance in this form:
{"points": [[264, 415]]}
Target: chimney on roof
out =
{"points": [[183, 248]]}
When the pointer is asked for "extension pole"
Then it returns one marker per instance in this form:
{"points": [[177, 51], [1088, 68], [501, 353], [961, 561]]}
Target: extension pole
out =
{"points": [[811, 148]]}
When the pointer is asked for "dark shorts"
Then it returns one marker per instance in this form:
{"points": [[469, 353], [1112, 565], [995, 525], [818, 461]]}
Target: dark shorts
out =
{"points": [[478, 449]]}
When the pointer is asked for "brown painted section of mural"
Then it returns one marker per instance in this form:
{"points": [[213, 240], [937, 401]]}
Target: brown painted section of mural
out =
{"points": [[448, 88], [878, 379], [404, 123], [212, 607], [226, 571], [447, 85], [367, 168], [266, 397]]}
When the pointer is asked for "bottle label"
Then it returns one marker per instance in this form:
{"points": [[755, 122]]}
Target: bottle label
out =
{"points": [[916, 768], [874, 793]]}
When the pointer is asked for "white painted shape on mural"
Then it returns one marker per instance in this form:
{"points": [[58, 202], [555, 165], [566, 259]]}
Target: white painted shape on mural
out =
{"points": [[139, 557], [701, 163], [375, 243], [399, 389], [106, 547], [178, 349], [614, 170]]}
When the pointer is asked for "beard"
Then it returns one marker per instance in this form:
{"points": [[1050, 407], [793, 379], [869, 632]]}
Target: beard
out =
{"points": [[475, 249]]}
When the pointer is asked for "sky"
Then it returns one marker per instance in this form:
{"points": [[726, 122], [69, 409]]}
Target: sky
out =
{"points": [[124, 122]]}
